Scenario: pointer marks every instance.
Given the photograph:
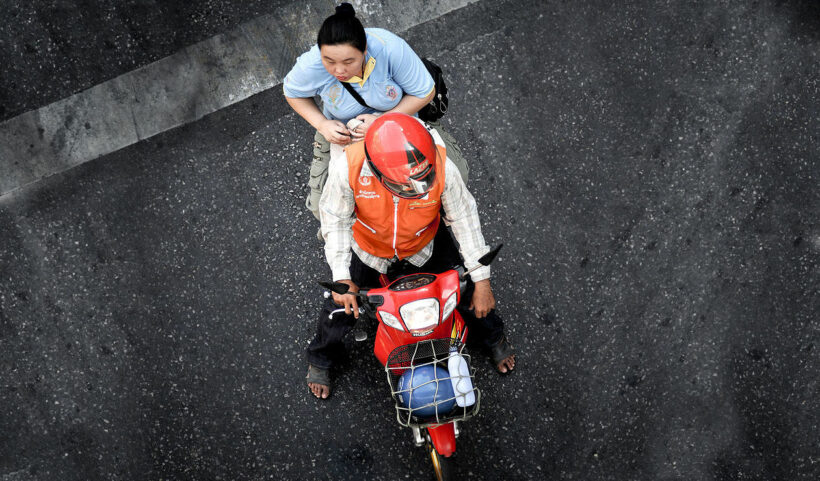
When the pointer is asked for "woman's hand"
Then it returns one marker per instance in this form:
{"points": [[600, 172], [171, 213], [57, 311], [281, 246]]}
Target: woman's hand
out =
{"points": [[352, 125], [334, 131], [367, 121]]}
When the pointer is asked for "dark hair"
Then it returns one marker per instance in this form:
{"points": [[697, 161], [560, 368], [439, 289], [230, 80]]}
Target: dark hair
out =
{"points": [[343, 27]]}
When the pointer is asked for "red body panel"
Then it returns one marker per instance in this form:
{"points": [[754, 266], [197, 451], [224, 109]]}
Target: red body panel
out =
{"points": [[388, 338]]}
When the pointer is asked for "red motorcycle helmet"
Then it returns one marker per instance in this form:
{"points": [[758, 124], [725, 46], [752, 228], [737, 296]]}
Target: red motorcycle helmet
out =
{"points": [[402, 155]]}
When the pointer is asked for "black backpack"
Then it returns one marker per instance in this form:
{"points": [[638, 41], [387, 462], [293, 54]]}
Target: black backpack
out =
{"points": [[438, 106]]}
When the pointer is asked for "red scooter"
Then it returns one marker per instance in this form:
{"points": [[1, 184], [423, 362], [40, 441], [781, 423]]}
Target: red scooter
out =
{"points": [[420, 341]]}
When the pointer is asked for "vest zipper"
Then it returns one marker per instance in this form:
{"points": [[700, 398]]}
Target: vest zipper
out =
{"points": [[422, 230], [395, 223], [368, 227]]}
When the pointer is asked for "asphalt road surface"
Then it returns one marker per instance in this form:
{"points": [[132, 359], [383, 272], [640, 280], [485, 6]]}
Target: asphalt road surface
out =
{"points": [[652, 170], [52, 49]]}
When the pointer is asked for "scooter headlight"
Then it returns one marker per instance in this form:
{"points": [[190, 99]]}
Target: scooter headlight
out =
{"points": [[391, 320], [449, 306], [420, 315]]}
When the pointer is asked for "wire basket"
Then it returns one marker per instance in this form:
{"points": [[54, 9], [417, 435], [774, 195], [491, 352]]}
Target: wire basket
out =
{"points": [[443, 407]]}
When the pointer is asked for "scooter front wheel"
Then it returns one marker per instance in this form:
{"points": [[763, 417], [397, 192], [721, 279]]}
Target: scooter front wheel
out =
{"points": [[442, 465]]}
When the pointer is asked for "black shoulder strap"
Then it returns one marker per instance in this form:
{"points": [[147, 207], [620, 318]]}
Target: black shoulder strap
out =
{"points": [[355, 94]]}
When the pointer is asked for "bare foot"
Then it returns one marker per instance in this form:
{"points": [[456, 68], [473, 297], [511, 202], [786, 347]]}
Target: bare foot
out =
{"points": [[319, 390], [507, 364]]}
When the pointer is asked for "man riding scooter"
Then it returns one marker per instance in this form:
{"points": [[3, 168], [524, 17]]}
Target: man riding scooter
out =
{"points": [[381, 214]]}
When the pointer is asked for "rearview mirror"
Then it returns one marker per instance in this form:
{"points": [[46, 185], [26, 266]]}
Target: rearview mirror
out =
{"points": [[489, 257], [337, 287]]}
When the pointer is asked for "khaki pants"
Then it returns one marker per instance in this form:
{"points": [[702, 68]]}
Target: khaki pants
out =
{"points": [[321, 160]]}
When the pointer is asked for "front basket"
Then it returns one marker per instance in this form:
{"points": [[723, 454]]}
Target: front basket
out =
{"points": [[443, 408]]}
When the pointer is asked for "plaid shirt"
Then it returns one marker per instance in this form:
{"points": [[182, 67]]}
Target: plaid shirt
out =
{"points": [[336, 210]]}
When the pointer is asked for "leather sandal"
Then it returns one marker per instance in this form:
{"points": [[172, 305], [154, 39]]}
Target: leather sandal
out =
{"points": [[317, 375], [502, 350]]}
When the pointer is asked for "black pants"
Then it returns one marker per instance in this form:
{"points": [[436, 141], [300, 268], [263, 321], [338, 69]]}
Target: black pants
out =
{"points": [[327, 347]]}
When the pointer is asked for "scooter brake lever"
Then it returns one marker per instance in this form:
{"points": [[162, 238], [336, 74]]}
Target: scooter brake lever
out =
{"points": [[358, 331], [334, 312], [342, 309]]}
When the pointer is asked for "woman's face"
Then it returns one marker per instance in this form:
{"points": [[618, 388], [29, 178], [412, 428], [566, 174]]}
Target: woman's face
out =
{"points": [[342, 61]]}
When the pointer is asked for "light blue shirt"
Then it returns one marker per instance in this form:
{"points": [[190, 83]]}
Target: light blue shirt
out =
{"points": [[398, 71]]}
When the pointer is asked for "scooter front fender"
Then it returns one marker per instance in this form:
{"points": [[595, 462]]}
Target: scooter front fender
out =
{"points": [[444, 439]]}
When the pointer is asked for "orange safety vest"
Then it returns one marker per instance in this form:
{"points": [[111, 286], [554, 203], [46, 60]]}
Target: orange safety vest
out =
{"points": [[385, 228]]}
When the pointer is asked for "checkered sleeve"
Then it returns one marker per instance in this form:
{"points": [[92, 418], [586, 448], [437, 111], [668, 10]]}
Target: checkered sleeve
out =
{"points": [[462, 214], [336, 209]]}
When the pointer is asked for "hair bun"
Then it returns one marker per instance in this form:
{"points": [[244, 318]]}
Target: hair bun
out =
{"points": [[345, 9]]}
